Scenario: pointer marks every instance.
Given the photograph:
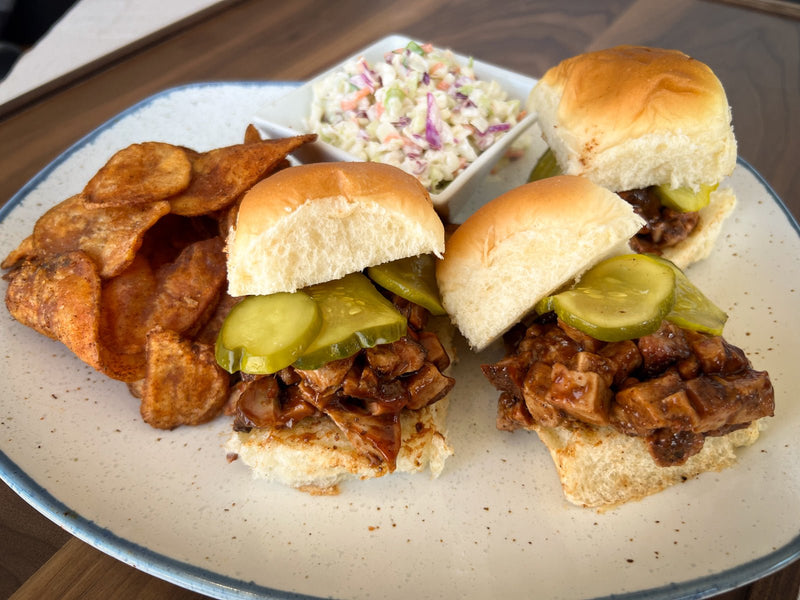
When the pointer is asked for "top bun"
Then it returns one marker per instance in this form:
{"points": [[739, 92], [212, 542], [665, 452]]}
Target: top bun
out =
{"points": [[523, 246], [630, 117], [319, 222]]}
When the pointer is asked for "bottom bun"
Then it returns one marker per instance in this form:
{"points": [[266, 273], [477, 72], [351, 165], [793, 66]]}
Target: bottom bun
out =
{"points": [[701, 242], [602, 468], [315, 456]]}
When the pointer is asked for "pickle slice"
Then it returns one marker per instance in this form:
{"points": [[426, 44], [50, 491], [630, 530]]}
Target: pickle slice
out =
{"points": [[685, 199], [545, 167], [692, 309], [545, 305], [621, 298], [354, 315], [412, 278], [264, 334]]}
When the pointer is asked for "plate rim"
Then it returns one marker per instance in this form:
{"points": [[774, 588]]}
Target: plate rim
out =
{"points": [[208, 582]]}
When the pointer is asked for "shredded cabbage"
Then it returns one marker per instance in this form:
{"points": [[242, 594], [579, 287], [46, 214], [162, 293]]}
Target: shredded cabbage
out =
{"points": [[418, 110]]}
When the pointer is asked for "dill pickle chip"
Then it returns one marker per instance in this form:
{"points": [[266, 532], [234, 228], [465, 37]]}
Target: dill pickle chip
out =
{"points": [[545, 167], [264, 334], [412, 278], [685, 199], [692, 309], [355, 315], [545, 305], [620, 298]]}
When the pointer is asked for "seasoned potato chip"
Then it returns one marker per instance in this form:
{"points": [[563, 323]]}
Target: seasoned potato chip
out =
{"points": [[125, 308], [130, 274], [26, 249], [136, 388], [180, 296], [165, 240], [251, 134], [220, 176], [226, 219], [210, 330], [183, 384], [187, 290], [60, 298], [139, 174], [110, 236]]}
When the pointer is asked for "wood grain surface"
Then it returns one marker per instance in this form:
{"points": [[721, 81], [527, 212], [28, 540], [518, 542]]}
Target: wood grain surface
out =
{"points": [[755, 53]]}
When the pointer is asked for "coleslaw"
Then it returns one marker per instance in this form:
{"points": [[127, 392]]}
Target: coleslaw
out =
{"points": [[418, 110]]}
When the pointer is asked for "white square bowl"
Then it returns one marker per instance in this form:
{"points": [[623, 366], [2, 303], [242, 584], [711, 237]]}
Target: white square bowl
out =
{"points": [[287, 117]]}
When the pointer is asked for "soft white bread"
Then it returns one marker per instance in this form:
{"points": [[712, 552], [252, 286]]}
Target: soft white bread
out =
{"points": [[629, 117], [315, 456], [314, 223], [488, 278], [601, 468]]}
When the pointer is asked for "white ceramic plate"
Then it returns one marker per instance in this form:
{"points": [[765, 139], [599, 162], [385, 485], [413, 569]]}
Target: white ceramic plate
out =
{"points": [[495, 523], [287, 116]]}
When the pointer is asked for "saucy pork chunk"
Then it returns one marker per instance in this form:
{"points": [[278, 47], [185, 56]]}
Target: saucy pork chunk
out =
{"points": [[664, 227], [363, 394], [672, 388]]}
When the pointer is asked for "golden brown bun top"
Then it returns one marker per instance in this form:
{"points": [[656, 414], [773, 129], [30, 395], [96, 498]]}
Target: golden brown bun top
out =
{"points": [[318, 222], [282, 193], [634, 116], [633, 88]]}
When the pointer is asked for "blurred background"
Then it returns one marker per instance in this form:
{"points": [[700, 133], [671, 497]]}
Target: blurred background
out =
{"points": [[23, 23], [45, 44]]}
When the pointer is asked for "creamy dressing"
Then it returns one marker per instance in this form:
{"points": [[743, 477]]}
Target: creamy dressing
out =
{"points": [[419, 110]]}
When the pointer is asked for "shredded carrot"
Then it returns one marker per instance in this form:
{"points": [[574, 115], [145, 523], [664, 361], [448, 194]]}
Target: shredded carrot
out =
{"points": [[351, 102], [427, 47], [392, 136], [443, 85], [436, 67]]}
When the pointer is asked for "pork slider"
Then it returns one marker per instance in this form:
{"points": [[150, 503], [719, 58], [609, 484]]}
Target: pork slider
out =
{"points": [[653, 125], [366, 395], [625, 375]]}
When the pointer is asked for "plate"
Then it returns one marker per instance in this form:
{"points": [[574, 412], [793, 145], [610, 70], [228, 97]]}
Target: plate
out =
{"points": [[494, 524], [285, 117]]}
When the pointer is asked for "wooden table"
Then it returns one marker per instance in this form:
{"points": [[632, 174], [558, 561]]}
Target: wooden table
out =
{"points": [[755, 52]]}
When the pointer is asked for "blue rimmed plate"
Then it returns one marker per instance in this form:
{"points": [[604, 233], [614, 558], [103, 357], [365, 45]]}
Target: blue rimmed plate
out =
{"points": [[495, 523]]}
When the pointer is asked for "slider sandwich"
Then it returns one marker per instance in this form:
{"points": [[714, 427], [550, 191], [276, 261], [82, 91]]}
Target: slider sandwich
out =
{"points": [[615, 359], [652, 125], [335, 338]]}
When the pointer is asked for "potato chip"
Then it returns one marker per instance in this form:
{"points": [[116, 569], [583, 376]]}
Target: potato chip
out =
{"points": [[252, 135], [187, 289], [136, 388], [25, 250], [110, 236], [139, 174], [220, 176], [130, 275], [125, 307], [226, 219], [56, 299], [60, 298], [210, 330], [181, 296], [183, 384], [172, 234]]}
